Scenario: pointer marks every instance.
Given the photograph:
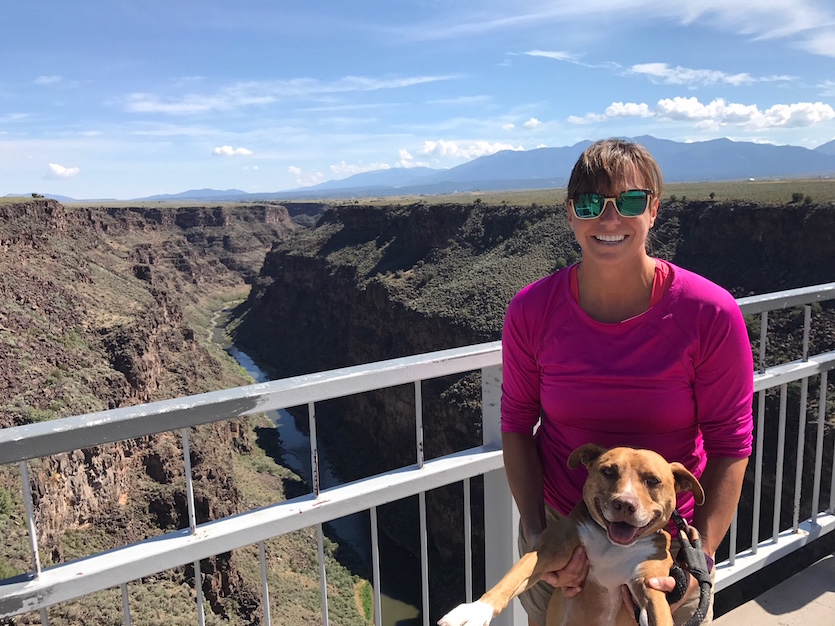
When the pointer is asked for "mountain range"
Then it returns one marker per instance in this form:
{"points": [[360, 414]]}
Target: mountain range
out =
{"points": [[715, 160]]}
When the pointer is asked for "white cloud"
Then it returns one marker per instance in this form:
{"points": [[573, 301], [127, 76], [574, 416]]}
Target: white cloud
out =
{"points": [[532, 123], [295, 171], [718, 113], [407, 160], [442, 148], [628, 109], [230, 151], [508, 126], [57, 172], [47, 80]]}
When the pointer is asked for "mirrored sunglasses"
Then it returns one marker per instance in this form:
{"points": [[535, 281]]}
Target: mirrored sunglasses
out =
{"points": [[630, 203]]}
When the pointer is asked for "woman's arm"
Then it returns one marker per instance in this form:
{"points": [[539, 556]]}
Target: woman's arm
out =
{"points": [[524, 475], [722, 482]]}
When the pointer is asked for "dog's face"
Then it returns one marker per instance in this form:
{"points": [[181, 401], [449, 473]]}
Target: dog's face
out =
{"points": [[630, 492]]}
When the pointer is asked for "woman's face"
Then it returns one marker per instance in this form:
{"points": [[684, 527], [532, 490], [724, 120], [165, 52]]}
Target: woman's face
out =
{"points": [[610, 238]]}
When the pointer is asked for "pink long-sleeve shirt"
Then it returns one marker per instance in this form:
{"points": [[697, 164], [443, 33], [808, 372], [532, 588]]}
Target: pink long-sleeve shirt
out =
{"points": [[677, 379]]}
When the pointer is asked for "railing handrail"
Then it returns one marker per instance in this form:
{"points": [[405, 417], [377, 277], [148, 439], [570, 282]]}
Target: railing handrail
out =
{"points": [[65, 434], [21, 443]]}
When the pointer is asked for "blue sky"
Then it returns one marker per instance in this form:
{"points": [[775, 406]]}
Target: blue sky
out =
{"points": [[112, 99]]}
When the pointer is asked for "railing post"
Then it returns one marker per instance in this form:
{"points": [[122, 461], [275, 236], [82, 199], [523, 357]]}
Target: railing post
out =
{"points": [[501, 518]]}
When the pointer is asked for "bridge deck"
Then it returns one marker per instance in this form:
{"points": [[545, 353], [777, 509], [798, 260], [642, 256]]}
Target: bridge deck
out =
{"points": [[806, 598]]}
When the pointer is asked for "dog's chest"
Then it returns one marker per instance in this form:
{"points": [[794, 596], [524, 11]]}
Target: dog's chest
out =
{"points": [[611, 565]]}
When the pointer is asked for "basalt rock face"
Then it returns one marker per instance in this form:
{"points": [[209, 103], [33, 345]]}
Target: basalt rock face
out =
{"points": [[373, 283], [94, 314]]}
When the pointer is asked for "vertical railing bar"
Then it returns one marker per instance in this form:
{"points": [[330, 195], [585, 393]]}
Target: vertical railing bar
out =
{"points": [[323, 591], [192, 515], [732, 538], [314, 450], [317, 487], [30, 518], [265, 585], [198, 585], [419, 423], [807, 325], [763, 338], [816, 483], [778, 473], [468, 543], [375, 568], [758, 472], [424, 559], [801, 451], [126, 605], [192, 522], [44, 616]]}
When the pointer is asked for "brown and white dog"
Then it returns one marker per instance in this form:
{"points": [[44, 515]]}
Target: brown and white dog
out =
{"points": [[628, 499]]}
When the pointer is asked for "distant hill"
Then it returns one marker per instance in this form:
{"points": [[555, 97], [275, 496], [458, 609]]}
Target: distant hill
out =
{"points": [[543, 168], [716, 160], [197, 194], [827, 148]]}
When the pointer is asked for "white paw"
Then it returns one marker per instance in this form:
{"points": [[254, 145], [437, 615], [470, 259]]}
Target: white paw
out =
{"points": [[473, 614]]}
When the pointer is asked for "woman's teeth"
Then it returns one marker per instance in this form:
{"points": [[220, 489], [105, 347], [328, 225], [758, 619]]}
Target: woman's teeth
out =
{"points": [[610, 238]]}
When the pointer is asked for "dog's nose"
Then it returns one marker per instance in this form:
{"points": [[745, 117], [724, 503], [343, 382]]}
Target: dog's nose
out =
{"points": [[625, 504]]}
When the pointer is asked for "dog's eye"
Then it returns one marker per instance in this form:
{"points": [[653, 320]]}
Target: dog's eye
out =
{"points": [[609, 472], [652, 481]]}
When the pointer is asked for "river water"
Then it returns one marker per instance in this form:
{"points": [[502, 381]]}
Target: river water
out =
{"points": [[354, 530]]}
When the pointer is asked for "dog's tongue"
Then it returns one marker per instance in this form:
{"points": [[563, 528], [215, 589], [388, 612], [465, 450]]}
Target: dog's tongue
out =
{"points": [[622, 533]]}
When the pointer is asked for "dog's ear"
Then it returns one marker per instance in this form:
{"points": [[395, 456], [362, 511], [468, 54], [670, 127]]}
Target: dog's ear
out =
{"points": [[585, 454], [685, 481]]}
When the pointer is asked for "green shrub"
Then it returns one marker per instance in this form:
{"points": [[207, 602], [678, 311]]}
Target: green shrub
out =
{"points": [[797, 196]]}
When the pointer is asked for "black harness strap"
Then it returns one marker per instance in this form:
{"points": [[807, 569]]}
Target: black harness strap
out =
{"points": [[693, 556]]}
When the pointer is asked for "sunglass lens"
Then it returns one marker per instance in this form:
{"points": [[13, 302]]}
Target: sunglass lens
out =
{"points": [[632, 203], [588, 205]]}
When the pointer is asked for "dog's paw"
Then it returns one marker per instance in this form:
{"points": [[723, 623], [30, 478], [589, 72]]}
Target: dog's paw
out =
{"points": [[473, 614]]}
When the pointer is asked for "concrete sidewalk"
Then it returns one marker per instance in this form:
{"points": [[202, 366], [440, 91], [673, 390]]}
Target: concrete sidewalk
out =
{"points": [[806, 599]]}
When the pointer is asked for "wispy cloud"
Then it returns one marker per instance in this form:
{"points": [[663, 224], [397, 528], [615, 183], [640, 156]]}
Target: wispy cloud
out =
{"points": [[58, 172], [663, 73], [47, 80], [255, 93], [719, 113], [809, 23], [230, 151]]}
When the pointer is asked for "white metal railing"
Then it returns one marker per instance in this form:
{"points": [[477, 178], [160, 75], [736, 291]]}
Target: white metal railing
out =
{"points": [[116, 568]]}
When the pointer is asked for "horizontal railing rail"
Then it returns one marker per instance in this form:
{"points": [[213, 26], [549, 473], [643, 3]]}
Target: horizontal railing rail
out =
{"points": [[44, 587]]}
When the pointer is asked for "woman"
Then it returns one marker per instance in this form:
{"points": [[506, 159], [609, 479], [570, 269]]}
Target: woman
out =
{"points": [[622, 349]]}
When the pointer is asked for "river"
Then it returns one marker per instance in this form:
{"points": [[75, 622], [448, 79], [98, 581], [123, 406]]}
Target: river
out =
{"points": [[354, 530]]}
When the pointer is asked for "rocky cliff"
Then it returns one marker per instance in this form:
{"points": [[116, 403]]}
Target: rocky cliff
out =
{"points": [[103, 307], [372, 283]]}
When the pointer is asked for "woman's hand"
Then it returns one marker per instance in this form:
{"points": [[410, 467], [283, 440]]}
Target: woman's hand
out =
{"points": [[662, 583], [572, 576]]}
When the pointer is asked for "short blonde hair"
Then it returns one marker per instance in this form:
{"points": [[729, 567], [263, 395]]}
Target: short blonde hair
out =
{"points": [[609, 160]]}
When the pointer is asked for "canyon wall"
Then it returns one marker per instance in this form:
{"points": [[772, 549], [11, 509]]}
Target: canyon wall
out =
{"points": [[369, 283]]}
